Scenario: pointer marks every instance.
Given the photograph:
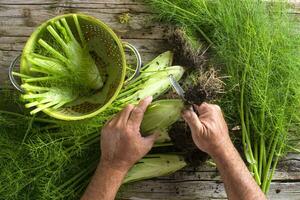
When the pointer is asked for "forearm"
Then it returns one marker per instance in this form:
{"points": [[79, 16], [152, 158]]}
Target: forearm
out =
{"points": [[239, 183], [104, 184]]}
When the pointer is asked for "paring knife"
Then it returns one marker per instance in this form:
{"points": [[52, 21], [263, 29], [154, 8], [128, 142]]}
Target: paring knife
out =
{"points": [[180, 92]]}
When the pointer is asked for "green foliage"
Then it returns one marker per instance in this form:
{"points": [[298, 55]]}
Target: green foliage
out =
{"points": [[42, 158], [256, 44]]}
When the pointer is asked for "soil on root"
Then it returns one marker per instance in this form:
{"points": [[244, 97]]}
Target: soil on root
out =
{"points": [[181, 137], [196, 95], [201, 81], [185, 54]]}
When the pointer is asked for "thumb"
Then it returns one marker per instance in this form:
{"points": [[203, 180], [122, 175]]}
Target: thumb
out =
{"points": [[193, 121], [149, 140]]}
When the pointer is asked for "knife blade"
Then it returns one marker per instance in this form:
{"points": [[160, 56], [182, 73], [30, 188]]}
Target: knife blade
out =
{"points": [[180, 91]]}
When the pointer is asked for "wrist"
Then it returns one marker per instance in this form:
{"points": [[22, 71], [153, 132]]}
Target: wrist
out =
{"points": [[114, 168], [223, 150]]}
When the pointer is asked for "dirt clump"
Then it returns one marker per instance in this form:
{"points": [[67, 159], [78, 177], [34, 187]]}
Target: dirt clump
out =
{"points": [[180, 135]]}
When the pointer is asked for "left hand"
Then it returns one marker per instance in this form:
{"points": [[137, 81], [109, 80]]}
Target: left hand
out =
{"points": [[121, 142]]}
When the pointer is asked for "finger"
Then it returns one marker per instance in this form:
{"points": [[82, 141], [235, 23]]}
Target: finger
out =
{"points": [[193, 121], [109, 122], [149, 141], [123, 116], [202, 108], [137, 113]]}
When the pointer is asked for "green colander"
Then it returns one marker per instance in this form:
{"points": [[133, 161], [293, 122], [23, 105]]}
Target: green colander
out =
{"points": [[107, 46]]}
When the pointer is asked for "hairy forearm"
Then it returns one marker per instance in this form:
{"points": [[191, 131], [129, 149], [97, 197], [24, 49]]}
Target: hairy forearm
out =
{"points": [[104, 184], [122, 145], [239, 183]]}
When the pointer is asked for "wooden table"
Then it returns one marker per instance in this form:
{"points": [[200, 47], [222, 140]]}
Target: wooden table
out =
{"points": [[18, 18]]}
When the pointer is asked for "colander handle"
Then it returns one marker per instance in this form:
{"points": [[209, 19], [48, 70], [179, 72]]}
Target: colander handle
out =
{"points": [[11, 75], [138, 61]]}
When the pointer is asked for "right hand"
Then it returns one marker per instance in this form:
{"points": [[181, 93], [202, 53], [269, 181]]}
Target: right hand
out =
{"points": [[209, 130]]}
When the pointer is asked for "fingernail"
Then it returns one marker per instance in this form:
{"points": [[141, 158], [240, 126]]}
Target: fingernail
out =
{"points": [[204, 104], [129, 106]]}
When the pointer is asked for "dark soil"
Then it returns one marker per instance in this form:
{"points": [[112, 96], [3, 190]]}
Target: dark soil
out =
{"points": [[181, 137], [200, 82], [184, 54], [195, 95]]}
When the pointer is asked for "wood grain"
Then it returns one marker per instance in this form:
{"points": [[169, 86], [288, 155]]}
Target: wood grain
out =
{"points": [[204, 182], [18, 18]]}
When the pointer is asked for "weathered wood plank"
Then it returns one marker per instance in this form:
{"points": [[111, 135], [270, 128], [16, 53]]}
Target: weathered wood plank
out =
{"points": [[33, 15], [17, 23], [18, 18], [152, 32], [179, 190], [204, 182], [110, 2], [21, 27]]}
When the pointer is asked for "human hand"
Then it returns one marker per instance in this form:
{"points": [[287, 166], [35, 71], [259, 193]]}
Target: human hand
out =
{"points": [[121, 142], [209, 130]]}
